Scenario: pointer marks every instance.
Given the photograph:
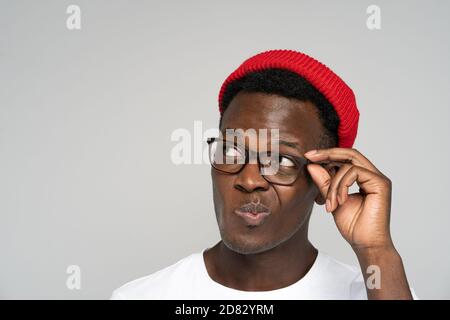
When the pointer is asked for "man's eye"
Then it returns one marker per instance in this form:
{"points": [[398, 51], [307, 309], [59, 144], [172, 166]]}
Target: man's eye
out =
{"points": [[231, 152], [286, 162]]}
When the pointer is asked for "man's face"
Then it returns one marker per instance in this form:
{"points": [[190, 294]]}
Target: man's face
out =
{"points": [[290, 206]]}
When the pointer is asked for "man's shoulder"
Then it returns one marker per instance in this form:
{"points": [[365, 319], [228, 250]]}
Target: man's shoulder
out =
{"points": [[334, 265], [155, 285], [343, 277]]}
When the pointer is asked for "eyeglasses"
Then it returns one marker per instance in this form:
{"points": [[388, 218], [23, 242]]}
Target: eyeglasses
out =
{"points": [[229, 157]]}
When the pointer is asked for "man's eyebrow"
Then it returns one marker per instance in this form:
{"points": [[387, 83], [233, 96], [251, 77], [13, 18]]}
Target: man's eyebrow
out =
{"points": [[291, 145]]}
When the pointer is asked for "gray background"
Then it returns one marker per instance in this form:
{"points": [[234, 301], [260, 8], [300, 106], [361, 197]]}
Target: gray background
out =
{"points": [[86, 117]]}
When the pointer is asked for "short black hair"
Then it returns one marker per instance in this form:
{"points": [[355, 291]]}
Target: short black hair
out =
{"points": [[288, 84]]}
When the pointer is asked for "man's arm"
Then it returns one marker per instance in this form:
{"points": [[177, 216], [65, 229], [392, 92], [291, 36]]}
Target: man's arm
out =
{"points": [[384, 274], [363, 218]]}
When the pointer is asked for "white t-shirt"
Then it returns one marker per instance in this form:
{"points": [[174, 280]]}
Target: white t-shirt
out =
{"points": [[188, 279]]}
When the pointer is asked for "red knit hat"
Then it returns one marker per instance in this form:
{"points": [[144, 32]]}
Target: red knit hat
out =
{"points": [[320, 76]]}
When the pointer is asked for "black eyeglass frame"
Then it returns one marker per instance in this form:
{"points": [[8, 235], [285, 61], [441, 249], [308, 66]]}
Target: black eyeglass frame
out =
{"points": [[301, 162]]}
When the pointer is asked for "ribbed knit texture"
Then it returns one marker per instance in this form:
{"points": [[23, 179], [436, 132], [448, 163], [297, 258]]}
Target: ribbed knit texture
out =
{"points": [[320, 76]]}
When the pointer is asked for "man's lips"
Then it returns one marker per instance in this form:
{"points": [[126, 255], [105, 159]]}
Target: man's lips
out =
{"points": [[253, 213]]}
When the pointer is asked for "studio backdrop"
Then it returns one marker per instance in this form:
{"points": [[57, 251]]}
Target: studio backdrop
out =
{"points": [[96, 95]]}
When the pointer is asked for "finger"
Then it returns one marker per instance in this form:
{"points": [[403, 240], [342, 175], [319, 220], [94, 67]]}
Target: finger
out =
{"points": [[332, 190], [320, 177], [368, 182], [346, 155]]}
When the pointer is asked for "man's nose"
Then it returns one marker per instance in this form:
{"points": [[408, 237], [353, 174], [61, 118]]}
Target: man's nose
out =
{"points": [[250, 179]]}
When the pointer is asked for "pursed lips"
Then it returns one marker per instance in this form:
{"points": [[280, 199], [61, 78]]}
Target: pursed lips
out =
{"points": [[253, 213]]}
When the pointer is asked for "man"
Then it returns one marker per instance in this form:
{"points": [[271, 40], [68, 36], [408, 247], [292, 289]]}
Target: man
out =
{"points": [[263, 218]]}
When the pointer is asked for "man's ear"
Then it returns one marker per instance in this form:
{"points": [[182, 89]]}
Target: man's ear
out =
{"points": [[320, 200]]}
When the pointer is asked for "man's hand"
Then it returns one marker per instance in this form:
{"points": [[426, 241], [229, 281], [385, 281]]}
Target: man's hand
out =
{"points": [[363, 217]]}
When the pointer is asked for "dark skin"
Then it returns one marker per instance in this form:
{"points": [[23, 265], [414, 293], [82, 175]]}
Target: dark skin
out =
{"points": [[248, 258]]}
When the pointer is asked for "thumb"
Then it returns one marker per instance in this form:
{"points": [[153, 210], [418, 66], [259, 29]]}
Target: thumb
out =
{"points": [[321, 178]]}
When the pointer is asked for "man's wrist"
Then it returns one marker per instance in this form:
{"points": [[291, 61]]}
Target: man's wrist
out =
{"points": [[383, 257], [371, 253]]}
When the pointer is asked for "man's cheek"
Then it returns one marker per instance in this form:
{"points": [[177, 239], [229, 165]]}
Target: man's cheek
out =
{"points": [[222, 194]]}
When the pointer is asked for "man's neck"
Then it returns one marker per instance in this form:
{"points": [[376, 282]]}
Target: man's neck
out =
{"points": [[270, 270]]}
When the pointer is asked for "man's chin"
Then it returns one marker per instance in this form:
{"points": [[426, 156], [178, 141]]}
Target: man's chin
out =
{"points": [[247, 246]]}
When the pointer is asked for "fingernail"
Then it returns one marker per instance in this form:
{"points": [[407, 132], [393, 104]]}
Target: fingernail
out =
{"points": [[328, 205], [311, 152]]}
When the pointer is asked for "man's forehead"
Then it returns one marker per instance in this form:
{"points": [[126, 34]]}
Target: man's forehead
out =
{"points": [[298, 122], [259, 110]]}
